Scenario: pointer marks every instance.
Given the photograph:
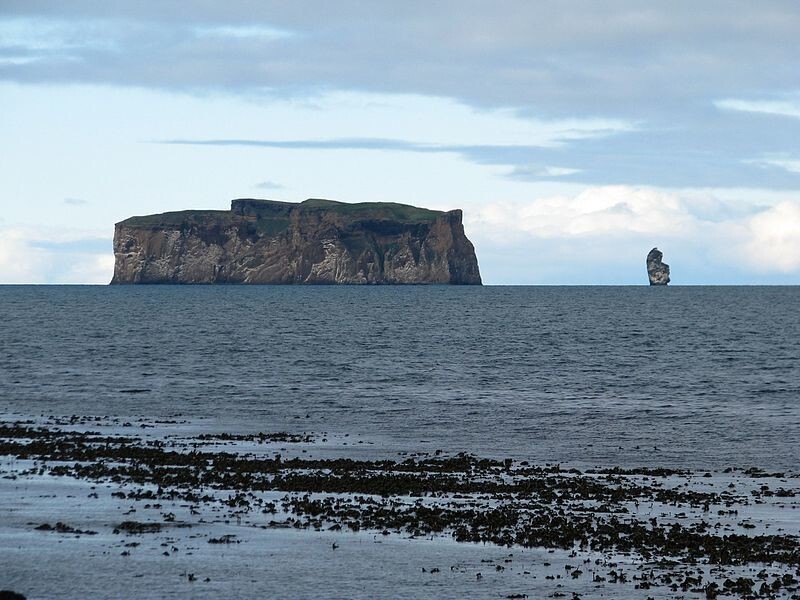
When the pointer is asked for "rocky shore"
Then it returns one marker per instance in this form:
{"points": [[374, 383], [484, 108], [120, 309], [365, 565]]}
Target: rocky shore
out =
{"points": [[654, 532]]}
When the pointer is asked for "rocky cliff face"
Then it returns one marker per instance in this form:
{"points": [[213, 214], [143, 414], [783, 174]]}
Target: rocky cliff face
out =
{"points": [[313, 242], [657, 271]]}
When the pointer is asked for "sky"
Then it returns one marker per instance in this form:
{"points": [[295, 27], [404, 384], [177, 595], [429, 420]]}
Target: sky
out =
{"points": [[575, 135]]}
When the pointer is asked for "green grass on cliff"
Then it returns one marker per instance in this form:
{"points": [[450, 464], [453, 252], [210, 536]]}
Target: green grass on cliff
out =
{"points": [[360, 211], [375, 210], [177, 218]]}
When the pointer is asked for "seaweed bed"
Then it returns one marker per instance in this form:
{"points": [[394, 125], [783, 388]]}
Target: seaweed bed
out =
{"points": [[686, 532]]}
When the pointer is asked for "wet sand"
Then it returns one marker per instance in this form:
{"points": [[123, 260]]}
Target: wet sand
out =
{"points": [[91, 506]]}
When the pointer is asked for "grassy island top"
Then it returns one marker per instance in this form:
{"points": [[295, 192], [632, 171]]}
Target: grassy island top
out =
{"points": [[273, 209]]}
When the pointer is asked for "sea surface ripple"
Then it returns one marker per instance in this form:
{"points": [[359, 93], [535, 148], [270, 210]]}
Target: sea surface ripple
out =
{"points": [[694, 377]]}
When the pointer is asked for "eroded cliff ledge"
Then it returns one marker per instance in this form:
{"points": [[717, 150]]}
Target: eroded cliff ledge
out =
{"points": [[313, 242]]}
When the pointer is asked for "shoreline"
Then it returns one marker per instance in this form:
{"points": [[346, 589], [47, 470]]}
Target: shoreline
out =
{"points": [[703, 534]]}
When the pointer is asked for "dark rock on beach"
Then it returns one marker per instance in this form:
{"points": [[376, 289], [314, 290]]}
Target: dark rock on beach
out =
{"points": [[63, 528], [681, 530], [137, 528], [657, 271], [313, 242]]}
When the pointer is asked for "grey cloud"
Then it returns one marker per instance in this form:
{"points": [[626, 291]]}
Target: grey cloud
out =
{"points": [[331, 144], [713, 152], [610, 58], [661, 64], [709, 149], [269, 185], [533, 172]]}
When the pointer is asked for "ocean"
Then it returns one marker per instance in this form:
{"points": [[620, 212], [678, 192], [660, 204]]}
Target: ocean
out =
{"points": [[695, 377]]}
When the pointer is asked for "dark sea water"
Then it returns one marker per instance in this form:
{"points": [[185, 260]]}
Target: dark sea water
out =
{"points": [[700, 377]]}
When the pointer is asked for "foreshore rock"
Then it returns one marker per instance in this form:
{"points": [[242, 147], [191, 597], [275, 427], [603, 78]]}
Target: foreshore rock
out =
{"points": [[313, 242], [657, 271]]}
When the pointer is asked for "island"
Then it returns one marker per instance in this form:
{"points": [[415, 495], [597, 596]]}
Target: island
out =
{"points": [[657, 271], [312, 242]]}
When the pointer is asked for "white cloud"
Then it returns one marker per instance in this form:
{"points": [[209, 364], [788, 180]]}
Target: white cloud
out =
{"points": [[51, 256], [602, 234], [20, 262], [774, 239], [243, 32], [18, 60], [87, 268], [782, 162], [786, 108], [608, 210], [558, 171], [537, 171]]}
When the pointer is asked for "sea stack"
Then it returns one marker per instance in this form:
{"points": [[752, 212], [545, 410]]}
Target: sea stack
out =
{"points": [[311, 242], [657, 271]]}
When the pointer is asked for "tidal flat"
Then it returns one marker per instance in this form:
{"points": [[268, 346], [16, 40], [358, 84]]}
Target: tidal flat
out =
{"points": [[98, 506]]}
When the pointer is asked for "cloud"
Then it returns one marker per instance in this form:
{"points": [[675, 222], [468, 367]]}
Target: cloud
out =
{"points": [[602, 211], [36, 256], [670, 73], [784, 108], [773, 242], [782, 162], [528, 173], [28, 42], [243, 31], [427, 124], [87, 269], [20, 262], [712, 152], [75, 201], [602, 234], [332, 144], [550, 57], [268, 185]]}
